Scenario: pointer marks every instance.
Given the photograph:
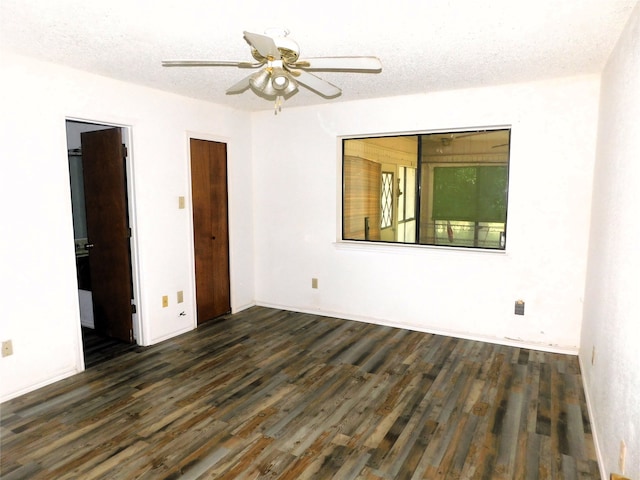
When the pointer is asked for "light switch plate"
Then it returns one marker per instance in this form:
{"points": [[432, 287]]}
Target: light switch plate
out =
{"points": [[7, 348]]}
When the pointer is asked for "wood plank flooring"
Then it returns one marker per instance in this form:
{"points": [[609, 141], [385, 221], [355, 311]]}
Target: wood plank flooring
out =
{"points": [[272, 394], [98, 348]]}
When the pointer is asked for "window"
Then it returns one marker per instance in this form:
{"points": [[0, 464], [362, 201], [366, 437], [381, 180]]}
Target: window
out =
{"points": [[387, 200], [429, 189]]}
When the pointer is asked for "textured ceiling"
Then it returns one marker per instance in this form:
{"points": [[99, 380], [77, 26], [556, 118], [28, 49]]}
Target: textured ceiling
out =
{"points": [[424, 45]]}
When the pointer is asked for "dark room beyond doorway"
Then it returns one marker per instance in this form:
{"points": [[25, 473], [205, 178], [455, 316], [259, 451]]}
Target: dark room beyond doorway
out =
{"points": [[102, 237]]}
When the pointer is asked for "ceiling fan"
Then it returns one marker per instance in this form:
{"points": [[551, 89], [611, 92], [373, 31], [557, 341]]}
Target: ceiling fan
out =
{"points": [[281, 70]]}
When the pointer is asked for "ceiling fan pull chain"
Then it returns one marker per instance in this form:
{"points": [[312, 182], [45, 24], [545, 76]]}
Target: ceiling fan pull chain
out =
{"points": [[278, 104]]}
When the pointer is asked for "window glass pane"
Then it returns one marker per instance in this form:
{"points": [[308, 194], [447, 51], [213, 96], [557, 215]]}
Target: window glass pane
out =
{"points": [[454, 193], [410, 193], [402, 197], [492, 194], [443, 188], [361, 205], [406, 232], [387, 200], [476, 194], [469, 234]]}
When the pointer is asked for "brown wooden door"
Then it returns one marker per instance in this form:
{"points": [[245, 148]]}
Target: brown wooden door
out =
{"points": [[210, 228], [103, 165]]}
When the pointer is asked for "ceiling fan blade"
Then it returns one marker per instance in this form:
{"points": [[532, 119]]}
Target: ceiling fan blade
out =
{"points": [[367, 64], [317, 84], [208, 63], [263, 44], [241, 86]]}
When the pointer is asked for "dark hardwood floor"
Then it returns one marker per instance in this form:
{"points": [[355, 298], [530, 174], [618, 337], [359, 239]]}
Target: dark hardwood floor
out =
{"points": [[98, 348], [273, 394]]}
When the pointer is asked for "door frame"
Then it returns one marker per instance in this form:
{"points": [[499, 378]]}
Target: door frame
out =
{"points": [[192, 253], [137, 320]]}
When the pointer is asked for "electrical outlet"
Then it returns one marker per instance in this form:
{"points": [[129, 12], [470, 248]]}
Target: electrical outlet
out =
{"points": [[180, 202], [314, 283], [7, 348], [623, 454], [165, 301], [180, 296]]}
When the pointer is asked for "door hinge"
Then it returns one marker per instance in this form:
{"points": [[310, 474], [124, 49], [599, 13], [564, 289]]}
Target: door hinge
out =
{"points": [[131, 336], [124, 151], [129, 233], [133, 308]]}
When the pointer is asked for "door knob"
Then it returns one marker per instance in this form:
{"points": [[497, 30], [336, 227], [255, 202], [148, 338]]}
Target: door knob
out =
{"points": [[87, 246]]}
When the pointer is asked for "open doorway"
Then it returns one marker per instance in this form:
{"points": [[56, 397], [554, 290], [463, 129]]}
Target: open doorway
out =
{"points": [[102, 235]]}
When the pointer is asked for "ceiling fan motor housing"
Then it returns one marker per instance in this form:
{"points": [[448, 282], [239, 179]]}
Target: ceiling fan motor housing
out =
{"points": [[288, 49]]}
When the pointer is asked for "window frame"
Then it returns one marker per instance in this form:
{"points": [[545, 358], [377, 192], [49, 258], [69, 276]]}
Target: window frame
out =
{"points": [[368, 243]]}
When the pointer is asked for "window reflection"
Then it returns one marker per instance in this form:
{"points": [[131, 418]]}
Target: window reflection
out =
{"points": [[449, 188]]}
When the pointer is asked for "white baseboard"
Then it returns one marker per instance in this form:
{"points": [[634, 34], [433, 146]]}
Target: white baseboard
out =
{"points": [[509, 342], [60, 376], [594, 433], [240, 308]]}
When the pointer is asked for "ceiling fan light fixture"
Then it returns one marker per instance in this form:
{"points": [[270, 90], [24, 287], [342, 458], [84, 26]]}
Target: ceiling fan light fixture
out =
{"points": [[280, 83], [279, 79], [281, 70], [291, 87], [260, 80], [268, 89]]}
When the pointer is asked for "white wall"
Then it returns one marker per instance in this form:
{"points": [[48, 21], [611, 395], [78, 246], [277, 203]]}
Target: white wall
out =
{"points": [[611, 322], [39, 289], [297, 198]]}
